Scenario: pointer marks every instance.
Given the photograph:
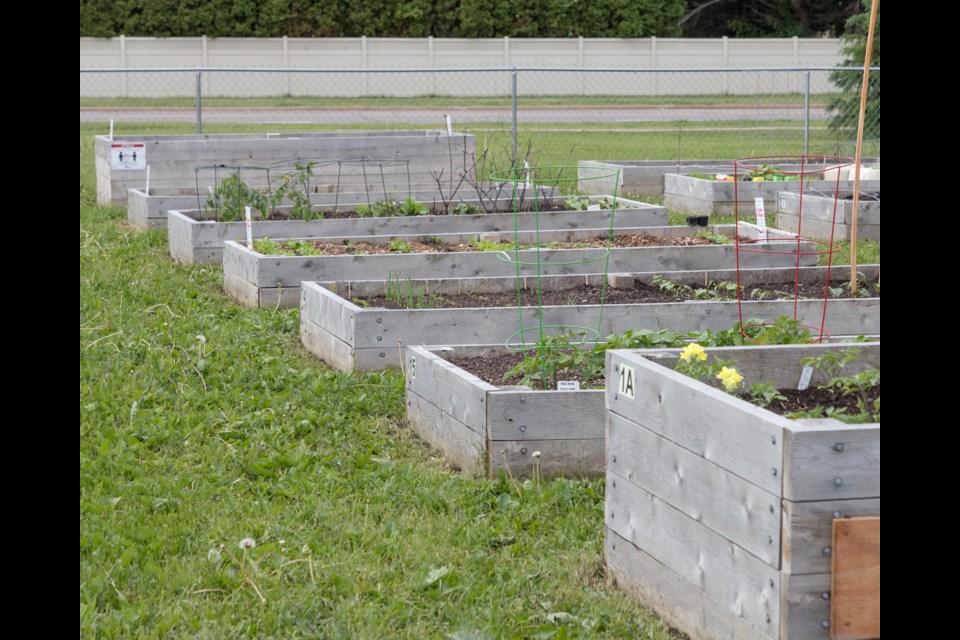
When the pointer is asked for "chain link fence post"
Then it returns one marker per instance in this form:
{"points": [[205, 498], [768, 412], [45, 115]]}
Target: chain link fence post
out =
{"points": [[199, 101]]}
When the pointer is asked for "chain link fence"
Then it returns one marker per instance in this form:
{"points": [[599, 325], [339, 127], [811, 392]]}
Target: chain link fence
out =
{"points": [[549, 116]]}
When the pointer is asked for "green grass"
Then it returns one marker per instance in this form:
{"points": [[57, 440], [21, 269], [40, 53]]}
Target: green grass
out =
{"points": [[202, 423], [794, 99]]}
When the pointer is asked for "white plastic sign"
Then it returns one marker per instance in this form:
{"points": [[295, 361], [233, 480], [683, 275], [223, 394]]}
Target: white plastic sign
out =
{"points": [[628, 382], [761, 219], [568, 385], [449, 125], [126, 156], [248, 222], [805, 376]]}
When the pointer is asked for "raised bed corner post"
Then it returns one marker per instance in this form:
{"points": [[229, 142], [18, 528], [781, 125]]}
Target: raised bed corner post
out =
{"points": [[199, 108]]}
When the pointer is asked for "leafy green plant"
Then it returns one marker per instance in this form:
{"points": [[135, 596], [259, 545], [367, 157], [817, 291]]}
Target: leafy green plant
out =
{"points": [[232, 196], [295, 186], [400, 246], [784, 330], [410, 207], [488, 245], [714, 238], [763, 393], [583, 203], [463, 209]]}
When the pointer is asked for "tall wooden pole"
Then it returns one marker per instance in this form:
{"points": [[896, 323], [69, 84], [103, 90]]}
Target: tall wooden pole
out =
{"points": [[859, 153]]}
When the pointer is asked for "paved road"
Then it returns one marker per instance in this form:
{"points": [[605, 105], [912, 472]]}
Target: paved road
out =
{"points": [[434, 116]]}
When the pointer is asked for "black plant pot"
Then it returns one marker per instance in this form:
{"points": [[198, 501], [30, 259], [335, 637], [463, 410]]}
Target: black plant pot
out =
{"points": [[697, 221]]}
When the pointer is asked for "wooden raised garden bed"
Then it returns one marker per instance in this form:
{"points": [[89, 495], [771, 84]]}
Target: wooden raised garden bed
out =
{"points": [[818, 213], [150, 211], [350, 337], [641, 177], [254, 279], [172, 158], [196, 240], [713, 197], [481, 428], [719, 514]]}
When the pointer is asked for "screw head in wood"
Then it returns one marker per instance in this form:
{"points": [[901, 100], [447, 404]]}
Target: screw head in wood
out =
{"points": [[825, 624], [826, 551], [523, 450], [838, 482], [837, 514], [614, 458], [773, 439], [838, 447], [825, 595], [774, 471], [379, 320], [523, 427]]}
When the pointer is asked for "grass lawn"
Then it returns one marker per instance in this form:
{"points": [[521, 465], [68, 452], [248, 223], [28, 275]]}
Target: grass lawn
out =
{"points": [[202, 424]]}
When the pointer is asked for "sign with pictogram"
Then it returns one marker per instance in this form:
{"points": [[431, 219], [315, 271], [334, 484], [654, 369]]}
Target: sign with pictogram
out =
{"points": [[128, 155]]}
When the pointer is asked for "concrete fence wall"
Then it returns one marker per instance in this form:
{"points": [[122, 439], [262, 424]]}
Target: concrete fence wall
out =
{"points": [[426, 53]]}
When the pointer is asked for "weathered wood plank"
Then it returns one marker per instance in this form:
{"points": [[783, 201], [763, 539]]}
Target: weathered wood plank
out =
{"points": [[739, 511], [291, 270], [241, 290], [758, 276], [545, 415], [280, 297], [492, 324], [680, 602], [804, 606], [855, 608], [334, 313], [450, 388], [461, 446], [745, 585], [241, 262], [325, 345], [807, 530], [831, 460], [725, 430], [580, 458], [779, 365]]}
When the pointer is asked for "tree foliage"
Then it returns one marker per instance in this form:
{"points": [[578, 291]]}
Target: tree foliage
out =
{"points": [[766, 18], [846, 106], [385, 18]]}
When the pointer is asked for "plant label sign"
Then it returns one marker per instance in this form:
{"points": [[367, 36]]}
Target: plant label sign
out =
{"points": [[128, 156], [628, 382], [248, 223], [568, 385], [761, 219]]}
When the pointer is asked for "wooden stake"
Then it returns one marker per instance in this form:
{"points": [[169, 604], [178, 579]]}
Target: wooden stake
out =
{"points": [[859, 153]]}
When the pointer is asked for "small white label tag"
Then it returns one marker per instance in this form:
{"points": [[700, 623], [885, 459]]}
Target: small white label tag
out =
{"points": [[593, 207], [449, 126], [413, 367], [805, 376], [126, 156], [628, 381], [568, 385], [761, 220], [248, 222]]}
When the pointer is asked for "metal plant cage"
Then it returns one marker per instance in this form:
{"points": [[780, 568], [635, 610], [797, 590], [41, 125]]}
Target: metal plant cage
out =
{"points": [[530, 186], [807, 175], [382, 171], [219, 172]]}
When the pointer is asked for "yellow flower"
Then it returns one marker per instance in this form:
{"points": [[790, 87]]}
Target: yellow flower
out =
{"points": [[691, 351], [730, 378]]}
